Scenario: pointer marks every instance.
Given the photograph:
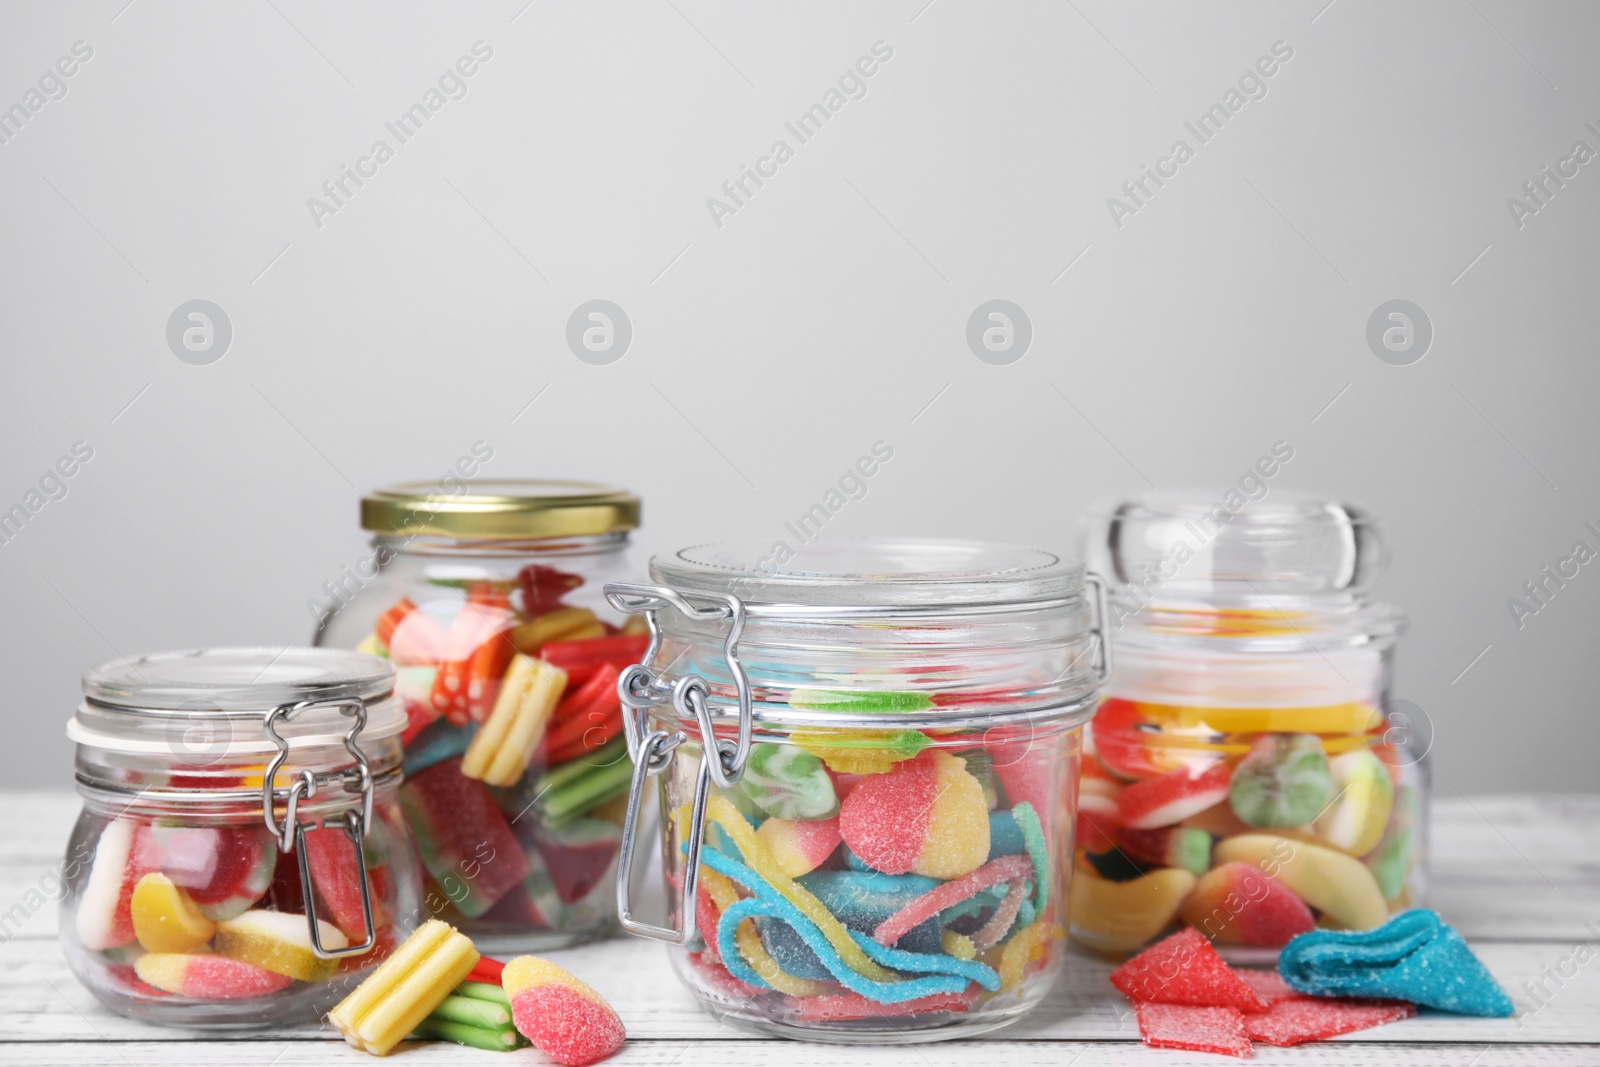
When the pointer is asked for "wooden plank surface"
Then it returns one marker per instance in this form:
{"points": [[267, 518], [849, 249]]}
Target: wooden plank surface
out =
{"points": [[1519, 876]]}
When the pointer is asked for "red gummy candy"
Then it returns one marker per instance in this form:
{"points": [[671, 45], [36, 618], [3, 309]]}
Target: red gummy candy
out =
{"points": [[1185, 969], [543, 587], [1268, 984], [1173, 796], [842, 1006], [885, 819], [1185, 1026], [1296, 1020]]}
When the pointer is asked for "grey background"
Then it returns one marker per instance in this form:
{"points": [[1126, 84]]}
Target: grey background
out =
{"points": [[828, 313]]}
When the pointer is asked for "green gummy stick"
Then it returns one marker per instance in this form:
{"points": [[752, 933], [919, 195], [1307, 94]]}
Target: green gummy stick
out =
{"points": [[484, 991], [614, 751], [600, 784], [860, 701], [471, 1036], [473, 1012]]}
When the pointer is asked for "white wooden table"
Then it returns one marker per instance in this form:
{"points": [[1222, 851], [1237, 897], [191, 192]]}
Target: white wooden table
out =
{"points": [[1520, 877]]}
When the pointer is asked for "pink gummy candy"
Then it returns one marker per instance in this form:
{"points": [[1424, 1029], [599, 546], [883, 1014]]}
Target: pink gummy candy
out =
{"points": [[1296, 1020], [842, 1006], [931, 903], [1185, 969], [563, 1017], [885, 818], [1269, 985], [1199, 1029]]}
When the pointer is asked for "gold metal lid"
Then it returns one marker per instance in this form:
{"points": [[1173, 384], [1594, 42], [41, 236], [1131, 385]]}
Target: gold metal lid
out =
{"points": [[500, 507]]}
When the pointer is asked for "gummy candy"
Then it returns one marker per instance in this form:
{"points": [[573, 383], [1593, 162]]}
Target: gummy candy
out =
{"points": [[561, 624], [864, 900], [404, 988], [563, 1017], [1167, 846], [1023, 947], [331, 856], [207, 976], [1325, 878], [577, 855], [474, 656], [1413, 956], [864, 701], [1269, 985], [1124, 747], [586, 719], [1296, 1020], [851, 751], [927, 816], [224, 870], [1355, 820], [1237, 902], [1117, 917], [1173, 796], [843, 1006], [462, 837], [799, 847], [1199, 1029], [280, 942], [1005, 869], [165, 919], [544, 587], [1391, 862], [505, 743], [789, 782], [104, 917], [1283, 781], [1185, 969]]}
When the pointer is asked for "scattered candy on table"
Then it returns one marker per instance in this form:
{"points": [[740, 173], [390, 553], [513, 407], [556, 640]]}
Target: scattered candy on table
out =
{"points": [[405, 988], [563, 1017]]}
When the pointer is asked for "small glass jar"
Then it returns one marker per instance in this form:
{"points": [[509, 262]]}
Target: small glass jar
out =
{"points": [[488, 603], [877, 849], [241, 860], [1250, 778]]}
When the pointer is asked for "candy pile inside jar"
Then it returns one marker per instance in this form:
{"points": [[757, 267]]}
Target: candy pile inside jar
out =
{"points": [[516, 773], [859, 874], [1252, 797]]}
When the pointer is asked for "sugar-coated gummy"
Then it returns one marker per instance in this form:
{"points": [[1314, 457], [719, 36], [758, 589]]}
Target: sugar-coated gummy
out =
{"points": [[207, 977], [1296, 1020], [1237, 902], [1414, 956], [1185, 969], [563, 1017], [1282, 781], [1199, 1029]]}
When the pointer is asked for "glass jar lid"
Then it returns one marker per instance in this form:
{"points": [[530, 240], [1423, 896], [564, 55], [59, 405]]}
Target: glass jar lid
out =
{"points": [[154, 703], [500, 507], [846, 576]]}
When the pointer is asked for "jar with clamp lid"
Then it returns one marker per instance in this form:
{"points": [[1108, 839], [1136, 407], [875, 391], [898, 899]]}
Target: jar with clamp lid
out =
{"points": [[241, 860], [866, 756], [1251, 777]]}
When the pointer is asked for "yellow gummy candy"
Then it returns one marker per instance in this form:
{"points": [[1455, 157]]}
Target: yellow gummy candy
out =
{"points": [[408, 985], [957, 840], [500, 751], [958, 945], [1030, 943], [165, 919], [722, 812], [849, 751], [280, 942], [724, 895], [1350, 718], [563, 624]]}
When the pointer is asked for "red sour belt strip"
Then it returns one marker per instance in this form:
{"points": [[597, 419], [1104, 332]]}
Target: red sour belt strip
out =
{"points": [[620, 651], [586, 718], [854, 1006], [590, 740], [486, 970], [931, 903]]}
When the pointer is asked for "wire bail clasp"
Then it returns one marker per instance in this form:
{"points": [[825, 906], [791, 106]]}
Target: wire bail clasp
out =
{"points": [[640, 689], [356, 822], [1099, 627]]}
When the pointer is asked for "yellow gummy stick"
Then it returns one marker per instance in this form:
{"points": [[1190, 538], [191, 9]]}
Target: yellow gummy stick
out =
{"points": [[724, 895], [480, 753], [563, 624], [538, 701], [722, 812], [405, 988], [1348, 718]]}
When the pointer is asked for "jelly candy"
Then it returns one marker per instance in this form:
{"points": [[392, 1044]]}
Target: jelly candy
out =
{"points": [[789, 782], [412, 637], [1005, 869], [280, 942], [1117, 917], [405, 988], [1391, 862], [475, 655], [1167, 846], [462, 837], [1355, 820], [1283, 781], [1296, 1020], [862, 701], [981, 766], [1330, 881], [438, 741], [799, 847], [331, 855], [543, 588], [165, 919], [207, 976], [927, 816], [104, 917], [1355, 718], [1237, 902], [1184, 1026], [852, 751], [865, 900], [577, 855], [1005, 835], [619, 650], [1185, 969], [1413, 956], [842, 1006], [561, 624], [586, 719], [563, 1017], [505, 743], [1173, 796], [1269, 985], [224, 870], [1128, 744]]}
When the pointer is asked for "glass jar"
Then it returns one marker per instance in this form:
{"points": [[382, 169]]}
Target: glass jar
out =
{"points": [[877, 849], [1249, 777], [241, 860], [488, 602]]}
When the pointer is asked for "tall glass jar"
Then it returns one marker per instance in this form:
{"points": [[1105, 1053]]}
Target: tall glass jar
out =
{"points": [[877, 848], [241, 860], [1249, 778], [488, 602]]}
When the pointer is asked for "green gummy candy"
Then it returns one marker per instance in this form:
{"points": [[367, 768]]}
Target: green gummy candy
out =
{"points": [[1390, 863], [981, 766], [865, 701], [788, 782], [1190, 848], [1283, 781]]}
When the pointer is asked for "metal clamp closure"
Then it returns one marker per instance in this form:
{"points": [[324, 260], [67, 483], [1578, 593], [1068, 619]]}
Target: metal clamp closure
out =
{"points": [[721, 761], [291, 835], [1099, 627]]}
